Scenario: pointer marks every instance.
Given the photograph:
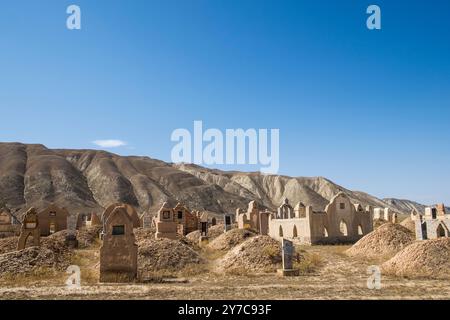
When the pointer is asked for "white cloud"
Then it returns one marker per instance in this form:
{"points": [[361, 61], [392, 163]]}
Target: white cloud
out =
{"points": [[111, 143]]}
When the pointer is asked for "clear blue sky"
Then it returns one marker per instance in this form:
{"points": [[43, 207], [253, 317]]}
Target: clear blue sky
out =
{"points": [[369, 110]]}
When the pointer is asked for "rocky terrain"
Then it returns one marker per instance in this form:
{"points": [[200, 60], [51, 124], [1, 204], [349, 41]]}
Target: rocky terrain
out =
{"points": [[89, 180]]}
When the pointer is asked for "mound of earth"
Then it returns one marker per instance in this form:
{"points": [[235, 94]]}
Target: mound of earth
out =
{"points": [[88, 235], [8, 244], [385, 241], [194, 236], [230, 239], [51, 254], [422, 259], [215, 231], [378, 223], [257, 254], [165, 255], [85, 236], [143, 234], [409, 224]]}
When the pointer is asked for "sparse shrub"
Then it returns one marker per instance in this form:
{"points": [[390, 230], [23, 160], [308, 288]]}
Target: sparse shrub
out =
{"points": [[309, 263]]}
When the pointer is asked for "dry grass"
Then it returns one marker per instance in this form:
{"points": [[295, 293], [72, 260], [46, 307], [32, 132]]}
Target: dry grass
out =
{"points": [[88, 261], [310, 263], [327, 274], [38, 276], [210, 254]]}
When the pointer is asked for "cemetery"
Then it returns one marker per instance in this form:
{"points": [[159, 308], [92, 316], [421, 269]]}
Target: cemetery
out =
{"points": [[180, 248]]}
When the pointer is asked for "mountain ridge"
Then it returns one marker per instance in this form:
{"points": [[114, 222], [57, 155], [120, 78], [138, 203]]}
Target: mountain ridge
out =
{"points": [[88, 180]]}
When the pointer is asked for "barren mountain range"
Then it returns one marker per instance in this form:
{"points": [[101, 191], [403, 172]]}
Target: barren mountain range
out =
{"points": [[89, 180]]}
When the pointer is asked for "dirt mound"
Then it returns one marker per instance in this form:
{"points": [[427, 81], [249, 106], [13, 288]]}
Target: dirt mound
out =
{"points": [[8, 244], [384, 242], [194, 236], [86, 237], [165, 255], [52, 254], [378, 223], [143, 234], [230, 239], [409, 224], [422, 259], [257, 254], [215, 231]]}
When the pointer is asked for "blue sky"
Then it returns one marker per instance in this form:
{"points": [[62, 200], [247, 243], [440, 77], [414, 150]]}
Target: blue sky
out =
{"points": [[369, 110]]}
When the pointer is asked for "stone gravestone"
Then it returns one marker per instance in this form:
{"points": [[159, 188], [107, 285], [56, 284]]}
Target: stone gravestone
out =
{"points": [[204, 229], [118, 254], [288, 253], [30, 227], [71, 237], [166, 227], [227, 222], [147, 220], [264, 223], [394, 218]]}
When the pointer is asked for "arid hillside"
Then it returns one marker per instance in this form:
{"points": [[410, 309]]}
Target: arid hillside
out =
{"points": [[89, 180]]}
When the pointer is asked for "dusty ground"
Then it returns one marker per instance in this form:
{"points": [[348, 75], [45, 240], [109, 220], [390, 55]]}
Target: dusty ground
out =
{"points": [[338, 277]]}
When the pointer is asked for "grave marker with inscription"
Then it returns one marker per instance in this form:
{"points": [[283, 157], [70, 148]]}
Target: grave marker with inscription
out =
{"points": [[288, 253], [118, 254], [30, 227]]}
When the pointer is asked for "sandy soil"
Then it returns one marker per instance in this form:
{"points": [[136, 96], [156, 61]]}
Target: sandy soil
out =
{"points": [[339, 277]]}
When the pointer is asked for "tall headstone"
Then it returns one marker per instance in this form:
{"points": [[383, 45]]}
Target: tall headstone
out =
{"points": [[147, 220], [264, 222], [288, 253], [30, 227], [204, 224], [204, 229], [227, 219], [394, 217], [71, 237], [118, 254]]}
